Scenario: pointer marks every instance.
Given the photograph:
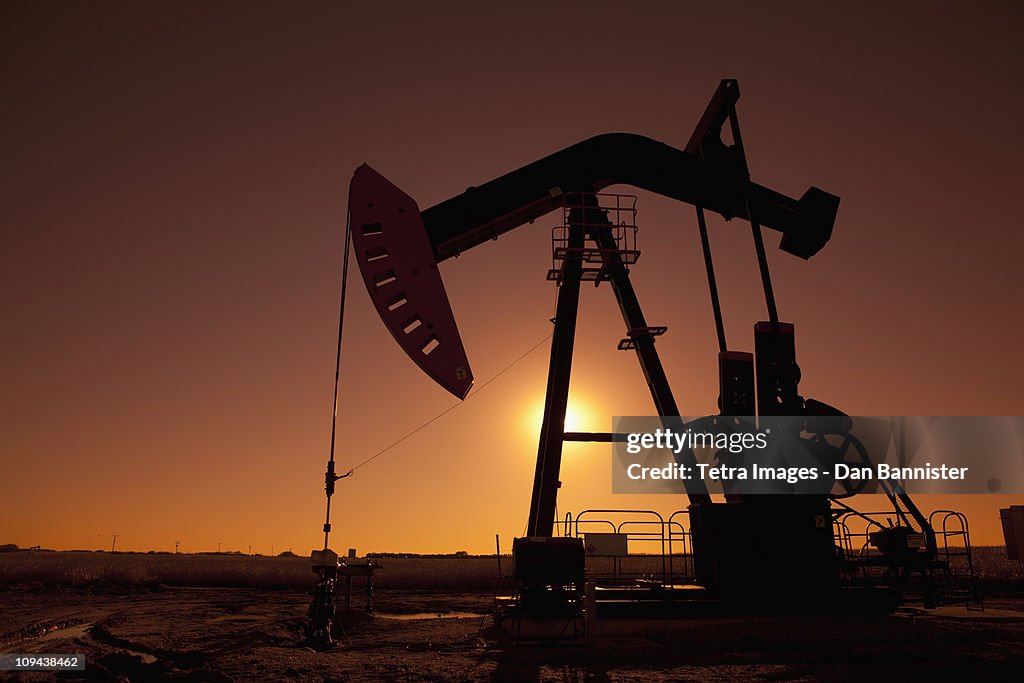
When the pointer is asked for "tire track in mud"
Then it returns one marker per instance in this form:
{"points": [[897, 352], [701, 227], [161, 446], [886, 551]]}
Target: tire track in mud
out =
{"points": [[41, 631], [183, 660], [131, 637], [232, 632]]}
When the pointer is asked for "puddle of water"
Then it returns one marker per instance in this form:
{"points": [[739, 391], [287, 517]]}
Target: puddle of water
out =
{"points": [[411, 616], [76, 631], [145, 657]]}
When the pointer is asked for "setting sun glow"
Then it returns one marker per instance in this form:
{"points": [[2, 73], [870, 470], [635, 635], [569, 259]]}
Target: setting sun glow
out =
{"points": [[579, 417]]}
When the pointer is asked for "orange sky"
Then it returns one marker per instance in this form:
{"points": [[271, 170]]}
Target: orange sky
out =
{"points": [[173, 199]]}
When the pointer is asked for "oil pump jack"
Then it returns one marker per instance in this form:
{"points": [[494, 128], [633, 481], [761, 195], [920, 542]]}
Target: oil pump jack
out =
{"points": [[765, 549]]}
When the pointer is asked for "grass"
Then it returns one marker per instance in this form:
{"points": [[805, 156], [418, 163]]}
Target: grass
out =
{"points": [[80, 568], [447, 573], [990, 562]]}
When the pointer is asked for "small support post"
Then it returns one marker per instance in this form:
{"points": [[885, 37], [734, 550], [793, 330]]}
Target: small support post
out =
{"points": [[590, 613], [497, 553]]}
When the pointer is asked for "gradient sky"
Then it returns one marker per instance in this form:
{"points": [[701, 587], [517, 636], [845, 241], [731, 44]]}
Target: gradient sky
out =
{"points": [[173, 204]]}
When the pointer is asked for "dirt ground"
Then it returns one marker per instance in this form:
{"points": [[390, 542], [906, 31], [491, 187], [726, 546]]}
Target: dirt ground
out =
{"points": [[192, 634]]}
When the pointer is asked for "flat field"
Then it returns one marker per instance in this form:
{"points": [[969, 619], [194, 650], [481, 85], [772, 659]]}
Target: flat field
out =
{"points": [[235, 618], [235, 571]]}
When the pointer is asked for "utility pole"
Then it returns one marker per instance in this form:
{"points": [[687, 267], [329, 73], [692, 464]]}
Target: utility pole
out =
{"points": [[113, 543], [218, 547], [176, 544], [250, 548]]}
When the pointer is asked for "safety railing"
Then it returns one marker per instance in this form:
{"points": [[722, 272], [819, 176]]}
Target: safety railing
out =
{"points": [[953, 544], [953, 540], [855, 541], [625, 545], [943, 577], [681, 561], [608, 223]]}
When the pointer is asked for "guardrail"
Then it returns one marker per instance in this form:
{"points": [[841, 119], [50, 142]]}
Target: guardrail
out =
{"points": [[627, 545]]}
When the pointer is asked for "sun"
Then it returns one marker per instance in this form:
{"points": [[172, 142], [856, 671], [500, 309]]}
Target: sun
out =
{"points": [[578, 418]]}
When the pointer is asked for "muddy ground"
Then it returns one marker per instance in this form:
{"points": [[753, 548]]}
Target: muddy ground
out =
{"points": [[191, 634]]}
